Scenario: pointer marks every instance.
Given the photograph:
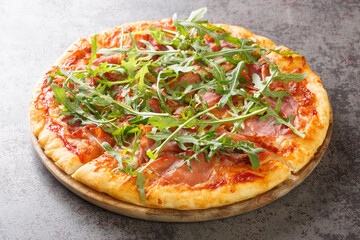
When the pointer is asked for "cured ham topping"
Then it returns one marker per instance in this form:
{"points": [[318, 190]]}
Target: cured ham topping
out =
{"points": [[210, 98], [154, 104], [173, 169]]}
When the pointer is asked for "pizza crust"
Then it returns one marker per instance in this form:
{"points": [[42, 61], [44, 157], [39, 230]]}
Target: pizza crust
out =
{"points": [[98, 175], [37, 121]]}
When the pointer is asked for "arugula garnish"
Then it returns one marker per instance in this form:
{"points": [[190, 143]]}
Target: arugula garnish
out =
{"points": [[140, 180], [209, 143], [147, 75]]}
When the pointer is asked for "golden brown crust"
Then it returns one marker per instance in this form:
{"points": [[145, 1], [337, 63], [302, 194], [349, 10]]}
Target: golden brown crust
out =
{"points": [[98, 175], [37, 121]]}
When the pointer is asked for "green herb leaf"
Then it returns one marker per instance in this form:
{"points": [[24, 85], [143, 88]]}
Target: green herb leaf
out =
{"points": [[141, 75], [287, 53], [197, 15], [295, 77], [140, 180], [93, 53], [233, 83], [115, 154]]}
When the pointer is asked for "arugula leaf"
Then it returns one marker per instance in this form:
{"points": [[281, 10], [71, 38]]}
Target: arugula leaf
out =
{"points": [[287, 53], [140, 180], [141, 75], [244, 50], [178, 68], [197, 15], [216, 70], [130, 65], [49, 80], [160, 35], [265, 90], [295, 77], [234, 77], [254, 159], [121, 134], [115, 154], [93, 53], [161, 122]]}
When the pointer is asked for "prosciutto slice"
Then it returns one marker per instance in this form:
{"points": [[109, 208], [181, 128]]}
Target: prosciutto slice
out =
{"points": [[154, 104], [254, 127], [288, 106], [168, 167], [111, 59], [210, 97]]}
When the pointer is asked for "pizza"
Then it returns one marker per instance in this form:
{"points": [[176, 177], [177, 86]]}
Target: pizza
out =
{"points": [[180, 114]]}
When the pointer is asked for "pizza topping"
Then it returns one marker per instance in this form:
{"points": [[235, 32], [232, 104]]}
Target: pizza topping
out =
{"points": [[244, 177], [112, 59], [210, 97], [172, 168], [183, 85], [254, 127]]}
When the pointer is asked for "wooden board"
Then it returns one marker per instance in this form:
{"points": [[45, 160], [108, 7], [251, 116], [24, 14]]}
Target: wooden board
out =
{"points": [[170, 215]]}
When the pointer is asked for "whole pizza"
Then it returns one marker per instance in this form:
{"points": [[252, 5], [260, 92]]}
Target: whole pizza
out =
{"points": [[180, 114]]}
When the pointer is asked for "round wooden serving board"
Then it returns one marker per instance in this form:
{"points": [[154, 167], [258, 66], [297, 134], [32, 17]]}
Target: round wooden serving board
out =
{"points": [[171, 215]]}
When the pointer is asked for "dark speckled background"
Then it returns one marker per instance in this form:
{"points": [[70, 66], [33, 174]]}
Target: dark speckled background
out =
{"points": [[34, 205]]}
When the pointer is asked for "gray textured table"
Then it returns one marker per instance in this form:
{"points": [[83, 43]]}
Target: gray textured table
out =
{"points": [[33, 205]]}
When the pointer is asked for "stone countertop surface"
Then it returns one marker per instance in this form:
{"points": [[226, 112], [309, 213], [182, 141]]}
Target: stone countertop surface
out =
{"points": [[34, 205]]}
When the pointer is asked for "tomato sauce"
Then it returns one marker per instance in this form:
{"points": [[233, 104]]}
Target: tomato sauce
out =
{"points": [[245, 177]]}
